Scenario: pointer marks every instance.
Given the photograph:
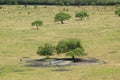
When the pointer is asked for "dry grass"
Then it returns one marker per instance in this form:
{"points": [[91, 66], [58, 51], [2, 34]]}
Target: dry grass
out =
{"points": [[99, 35]]}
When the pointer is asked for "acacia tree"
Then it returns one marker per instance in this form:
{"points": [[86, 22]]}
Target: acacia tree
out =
{"points": [[37, 23], [71, 47], [117, 12], [81, 15], [45, 50], [62, 17], [76, 53]]}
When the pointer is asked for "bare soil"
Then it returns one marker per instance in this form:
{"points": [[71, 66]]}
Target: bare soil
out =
{"points": [[53, 62]]}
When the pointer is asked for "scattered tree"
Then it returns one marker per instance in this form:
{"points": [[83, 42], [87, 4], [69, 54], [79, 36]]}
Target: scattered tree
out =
{"points": [[62, 17], [81, 15], [76, 53], [46, 50], [37, 23], [117, 12], [72, 47]]}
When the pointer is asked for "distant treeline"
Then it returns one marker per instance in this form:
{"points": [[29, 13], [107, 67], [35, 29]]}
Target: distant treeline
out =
{"points": [[61, 2]]}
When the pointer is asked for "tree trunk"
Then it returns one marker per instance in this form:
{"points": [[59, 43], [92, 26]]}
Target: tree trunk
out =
{"points": [[81, 18], [37, 28], [73, 58], [62, 22]]}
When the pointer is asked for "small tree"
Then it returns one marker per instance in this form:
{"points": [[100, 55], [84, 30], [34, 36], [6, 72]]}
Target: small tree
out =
{"points": [[76, 53], [81, 15], [117, 12], [37, 23], [62, 17], [72, 47], [45, 50]]}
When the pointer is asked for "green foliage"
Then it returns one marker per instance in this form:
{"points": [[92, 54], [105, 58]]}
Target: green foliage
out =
{"points": [[62, 46], [81, 15], [117, 12], [62, 17], [72, 47], [67, 4], [76, 53], [117, 5], [67, 45], [61, 2], [0, 7], [37, 23], [46, 50]]}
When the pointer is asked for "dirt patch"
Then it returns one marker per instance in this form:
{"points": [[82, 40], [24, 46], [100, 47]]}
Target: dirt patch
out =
{"points": [[62, 62]]}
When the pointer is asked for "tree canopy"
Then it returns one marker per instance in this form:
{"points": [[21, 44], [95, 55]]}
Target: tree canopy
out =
{"points": [[62, 17], [37, 23], [71, 47], [81, 14], [117, 12], [45, 50]]}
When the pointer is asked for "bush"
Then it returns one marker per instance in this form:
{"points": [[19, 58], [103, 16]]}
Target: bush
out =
{"points": [[0, 7], [46, 50], [117, 12], [62, 17], [81, 15]]}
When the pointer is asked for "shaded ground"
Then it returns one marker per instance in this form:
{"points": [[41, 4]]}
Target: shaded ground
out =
{"points": [[61, 62]]}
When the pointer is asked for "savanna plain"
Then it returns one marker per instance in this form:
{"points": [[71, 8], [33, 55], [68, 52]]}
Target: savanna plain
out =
{"points": [[99, 34]]}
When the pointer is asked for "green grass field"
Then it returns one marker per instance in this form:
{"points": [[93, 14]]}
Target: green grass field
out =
{"points": [[99, 35]]}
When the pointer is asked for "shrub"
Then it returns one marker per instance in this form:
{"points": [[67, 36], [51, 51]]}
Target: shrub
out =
{"points": [[45, 50], [37, 23], [81, 15], [28, 12], [117, 12], [0, 7], [62, 17]]}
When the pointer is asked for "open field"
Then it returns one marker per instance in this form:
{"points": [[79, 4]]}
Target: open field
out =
{"points": [[99, 34]]}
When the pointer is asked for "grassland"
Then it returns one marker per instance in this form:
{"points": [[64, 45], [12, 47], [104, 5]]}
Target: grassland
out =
{"points": [[99, 34]]}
